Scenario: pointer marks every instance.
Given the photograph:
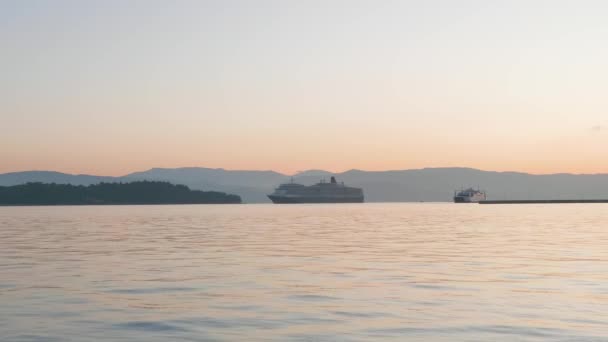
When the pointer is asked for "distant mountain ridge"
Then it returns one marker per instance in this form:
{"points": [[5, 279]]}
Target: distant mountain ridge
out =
{"points": [[15, 178], [428, 184]]}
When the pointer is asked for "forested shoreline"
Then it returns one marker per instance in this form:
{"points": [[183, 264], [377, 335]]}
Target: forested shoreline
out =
{"points": [[139, 192]]}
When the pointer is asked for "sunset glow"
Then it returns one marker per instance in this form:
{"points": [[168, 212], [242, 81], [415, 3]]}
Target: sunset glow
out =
{"points": [[114, 87]]}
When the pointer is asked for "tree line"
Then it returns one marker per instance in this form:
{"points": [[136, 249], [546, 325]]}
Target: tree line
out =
{"points": [[139, 192]]}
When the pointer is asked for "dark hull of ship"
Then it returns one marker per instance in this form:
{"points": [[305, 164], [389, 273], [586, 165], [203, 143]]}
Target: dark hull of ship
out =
{"points": [[460, 199], [293, 200]]}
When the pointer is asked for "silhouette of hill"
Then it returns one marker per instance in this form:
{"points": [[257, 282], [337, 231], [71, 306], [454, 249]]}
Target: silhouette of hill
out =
{"points": [[314, 173], [144, 192], [14, 178], [252, 186], [429, 184]]}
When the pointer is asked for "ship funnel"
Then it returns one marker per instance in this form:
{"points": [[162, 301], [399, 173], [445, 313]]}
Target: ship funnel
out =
{"points": [[333, 180]]}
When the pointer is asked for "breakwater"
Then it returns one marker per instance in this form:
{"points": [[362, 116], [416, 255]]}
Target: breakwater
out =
{"points": [[544, 201]]}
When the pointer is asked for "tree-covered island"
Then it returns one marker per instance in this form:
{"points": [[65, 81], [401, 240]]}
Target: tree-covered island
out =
{"points": [[140, 192]]}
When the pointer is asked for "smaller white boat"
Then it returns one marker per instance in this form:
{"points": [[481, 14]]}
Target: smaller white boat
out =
{"points": [[469, 195]]}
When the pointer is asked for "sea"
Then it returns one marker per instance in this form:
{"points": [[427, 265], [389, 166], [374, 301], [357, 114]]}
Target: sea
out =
{"points": [[311, 272]]}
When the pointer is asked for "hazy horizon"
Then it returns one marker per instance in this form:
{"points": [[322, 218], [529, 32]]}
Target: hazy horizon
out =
{"points": [[110, 87], [299, 171]]}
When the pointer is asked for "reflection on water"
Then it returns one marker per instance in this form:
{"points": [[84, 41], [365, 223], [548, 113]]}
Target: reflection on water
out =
{"points": [[304, 272]]}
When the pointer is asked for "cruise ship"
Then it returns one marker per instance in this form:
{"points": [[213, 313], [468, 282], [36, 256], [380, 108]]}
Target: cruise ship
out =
{"points": [[469, 195], [322, 192]]}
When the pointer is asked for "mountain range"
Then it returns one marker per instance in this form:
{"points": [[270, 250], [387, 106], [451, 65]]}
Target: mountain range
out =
{"points": [[428, 184]]}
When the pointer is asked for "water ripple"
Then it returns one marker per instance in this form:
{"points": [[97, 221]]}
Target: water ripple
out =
{"points": [[438, 272]]}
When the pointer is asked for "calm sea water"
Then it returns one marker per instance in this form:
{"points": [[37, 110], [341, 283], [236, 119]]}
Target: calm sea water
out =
{"points": [[355, 272]]}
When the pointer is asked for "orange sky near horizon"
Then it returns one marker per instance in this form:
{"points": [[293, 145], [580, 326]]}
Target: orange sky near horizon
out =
{"points": [[122, 165], [114, 87]]}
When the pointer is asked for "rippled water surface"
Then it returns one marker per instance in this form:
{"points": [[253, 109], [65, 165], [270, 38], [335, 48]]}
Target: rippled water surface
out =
{"points": [[424, 271]]}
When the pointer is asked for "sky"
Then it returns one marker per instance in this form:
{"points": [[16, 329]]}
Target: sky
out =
{"points": [[111, 87]]}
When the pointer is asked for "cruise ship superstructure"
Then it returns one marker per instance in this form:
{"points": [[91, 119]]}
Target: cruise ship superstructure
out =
{"points": [[322, 192]]}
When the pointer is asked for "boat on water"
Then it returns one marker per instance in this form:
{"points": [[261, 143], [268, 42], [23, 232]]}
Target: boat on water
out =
{"points": [[322, 192], [469, 195]]}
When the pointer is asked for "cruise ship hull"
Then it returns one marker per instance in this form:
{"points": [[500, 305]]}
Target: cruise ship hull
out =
{"points": [[295, 200]]}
